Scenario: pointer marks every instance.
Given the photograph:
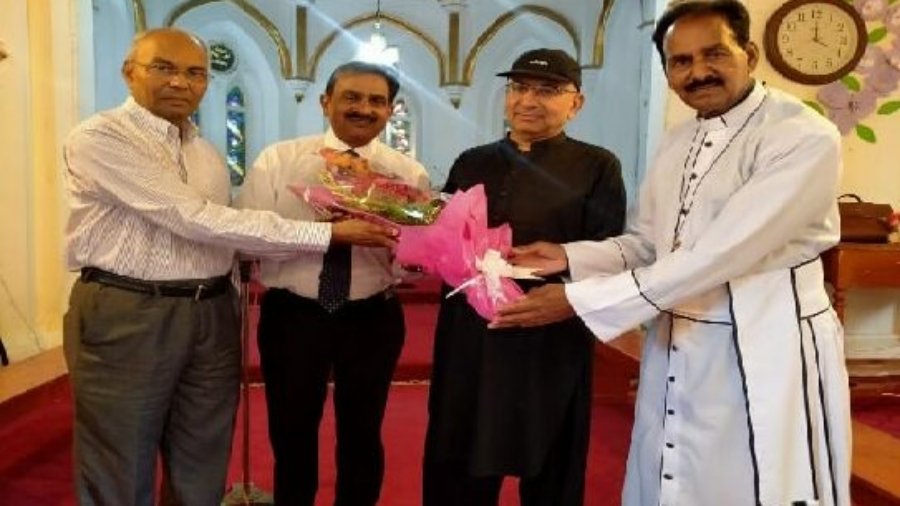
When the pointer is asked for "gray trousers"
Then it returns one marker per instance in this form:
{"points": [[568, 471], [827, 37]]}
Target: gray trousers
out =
{"points": [[151, 376]]}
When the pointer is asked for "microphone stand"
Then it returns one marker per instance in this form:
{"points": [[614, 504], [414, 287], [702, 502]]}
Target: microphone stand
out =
{"points": [[245, 493]]}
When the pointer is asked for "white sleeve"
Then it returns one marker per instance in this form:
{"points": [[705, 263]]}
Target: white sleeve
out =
{"points": [[790, 193], [124, 174]]}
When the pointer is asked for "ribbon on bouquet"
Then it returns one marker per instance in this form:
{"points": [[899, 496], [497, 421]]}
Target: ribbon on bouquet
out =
{"points": [[492, 268]]}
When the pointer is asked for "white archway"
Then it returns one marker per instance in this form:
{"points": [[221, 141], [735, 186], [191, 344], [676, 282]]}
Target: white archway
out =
{"points": [[112, 34]]}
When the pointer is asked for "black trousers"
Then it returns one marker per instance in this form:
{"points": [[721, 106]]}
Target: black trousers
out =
{"points": [[560, 482], [300, 346]]}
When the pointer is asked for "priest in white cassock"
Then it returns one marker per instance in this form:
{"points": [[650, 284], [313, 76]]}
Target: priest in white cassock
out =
{"points": [[743, 396]]}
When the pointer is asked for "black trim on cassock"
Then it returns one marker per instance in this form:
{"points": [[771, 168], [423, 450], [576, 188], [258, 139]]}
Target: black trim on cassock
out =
{"points": [[826, 428], [805, 385], [740, 362]]}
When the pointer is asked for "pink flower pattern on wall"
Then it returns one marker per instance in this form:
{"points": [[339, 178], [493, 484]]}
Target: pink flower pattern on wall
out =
{"points": [[848, 101]]}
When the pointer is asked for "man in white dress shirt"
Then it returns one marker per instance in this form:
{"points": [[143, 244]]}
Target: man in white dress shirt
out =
{"points": [[743, 396], [309, 329], [151, 334]]}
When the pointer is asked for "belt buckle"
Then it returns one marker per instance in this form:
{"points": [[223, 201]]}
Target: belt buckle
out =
{"points": [[199, 291]]}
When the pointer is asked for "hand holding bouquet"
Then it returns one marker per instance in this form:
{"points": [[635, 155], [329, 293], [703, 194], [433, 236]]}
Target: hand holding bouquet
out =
{"points": [[350, 185]]}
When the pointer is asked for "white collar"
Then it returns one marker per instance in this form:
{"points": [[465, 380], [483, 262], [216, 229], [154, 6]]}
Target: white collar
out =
{"points": [[366, 151], [734, 117], [160, 128]]}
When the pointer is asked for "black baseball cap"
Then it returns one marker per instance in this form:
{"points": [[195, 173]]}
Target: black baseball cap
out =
{"points": [[552, 64]]}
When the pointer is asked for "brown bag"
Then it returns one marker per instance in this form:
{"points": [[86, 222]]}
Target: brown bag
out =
{"points": [[864, 221]]}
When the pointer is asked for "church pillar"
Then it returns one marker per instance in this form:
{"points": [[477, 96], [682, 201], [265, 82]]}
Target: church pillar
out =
{"points": [[38, 103]]}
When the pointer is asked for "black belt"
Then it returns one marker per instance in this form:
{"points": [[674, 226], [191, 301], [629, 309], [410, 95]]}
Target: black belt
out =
{"points": [[196, 289]]}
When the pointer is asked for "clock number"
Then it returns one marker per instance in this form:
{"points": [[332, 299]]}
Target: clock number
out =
{"points": [[815, 41]]}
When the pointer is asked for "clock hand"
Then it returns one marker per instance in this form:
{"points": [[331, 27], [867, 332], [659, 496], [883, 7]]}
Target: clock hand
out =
{"points": [[816, 35]]}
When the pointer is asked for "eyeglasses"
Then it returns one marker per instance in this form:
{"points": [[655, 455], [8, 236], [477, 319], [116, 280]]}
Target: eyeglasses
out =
{"points": [[540, 92], [159, 70]]}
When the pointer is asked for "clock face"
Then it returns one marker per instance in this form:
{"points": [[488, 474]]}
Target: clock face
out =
{"points": [[815, 41]]}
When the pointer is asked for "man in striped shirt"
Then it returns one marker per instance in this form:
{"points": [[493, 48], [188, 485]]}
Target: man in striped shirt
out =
{"points": [[151, 335]]}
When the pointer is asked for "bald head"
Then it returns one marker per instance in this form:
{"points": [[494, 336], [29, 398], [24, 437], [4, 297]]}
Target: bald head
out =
{"points": [[166, 72], [146, 40]]}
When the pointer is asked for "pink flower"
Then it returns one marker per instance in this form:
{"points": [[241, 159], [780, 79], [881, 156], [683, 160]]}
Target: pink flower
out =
{"points": [[846, 107], [871, 60], [893, 56], [882, 76], [892, 20], [871, 10], [348, 184]]}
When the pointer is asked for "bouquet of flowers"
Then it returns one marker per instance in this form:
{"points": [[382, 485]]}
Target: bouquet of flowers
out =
{"points": [[466, 253], [350, 185]]}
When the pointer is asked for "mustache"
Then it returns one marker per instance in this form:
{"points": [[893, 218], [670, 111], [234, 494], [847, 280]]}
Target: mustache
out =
{"points": [[709, 81], [356, 115]]}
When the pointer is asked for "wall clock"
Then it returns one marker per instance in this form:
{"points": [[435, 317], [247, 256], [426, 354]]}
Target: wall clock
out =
{"points": [[221, 57], [815, 41]]}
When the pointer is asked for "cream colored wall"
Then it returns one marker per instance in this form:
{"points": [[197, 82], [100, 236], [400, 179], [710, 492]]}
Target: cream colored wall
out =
{"points": [[871, 171], [38, 104]]}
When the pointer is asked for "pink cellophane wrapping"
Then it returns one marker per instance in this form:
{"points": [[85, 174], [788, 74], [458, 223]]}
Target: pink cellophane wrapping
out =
{"points": [[453, 245]]}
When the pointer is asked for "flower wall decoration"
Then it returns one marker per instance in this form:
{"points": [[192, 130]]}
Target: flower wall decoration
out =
{"points": [[868, 89]]}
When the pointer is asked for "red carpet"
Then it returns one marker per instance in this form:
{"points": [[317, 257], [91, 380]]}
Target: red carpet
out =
{"points": [[883, 414], [35, 454], [404, 434], [35, 462]]}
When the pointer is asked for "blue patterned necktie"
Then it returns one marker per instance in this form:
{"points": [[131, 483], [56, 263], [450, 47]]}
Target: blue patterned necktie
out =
{"points": [[334, 281]]}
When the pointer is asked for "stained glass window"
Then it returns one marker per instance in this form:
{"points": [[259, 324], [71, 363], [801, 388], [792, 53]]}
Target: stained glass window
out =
{"points": [[235, 140], [398, 133]]}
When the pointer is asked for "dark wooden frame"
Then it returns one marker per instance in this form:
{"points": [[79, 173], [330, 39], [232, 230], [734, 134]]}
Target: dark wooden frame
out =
{"points": [[770, 41]]}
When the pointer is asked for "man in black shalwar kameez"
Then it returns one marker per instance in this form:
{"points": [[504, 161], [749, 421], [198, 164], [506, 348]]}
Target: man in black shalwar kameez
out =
{"points": [[517, 402]]}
